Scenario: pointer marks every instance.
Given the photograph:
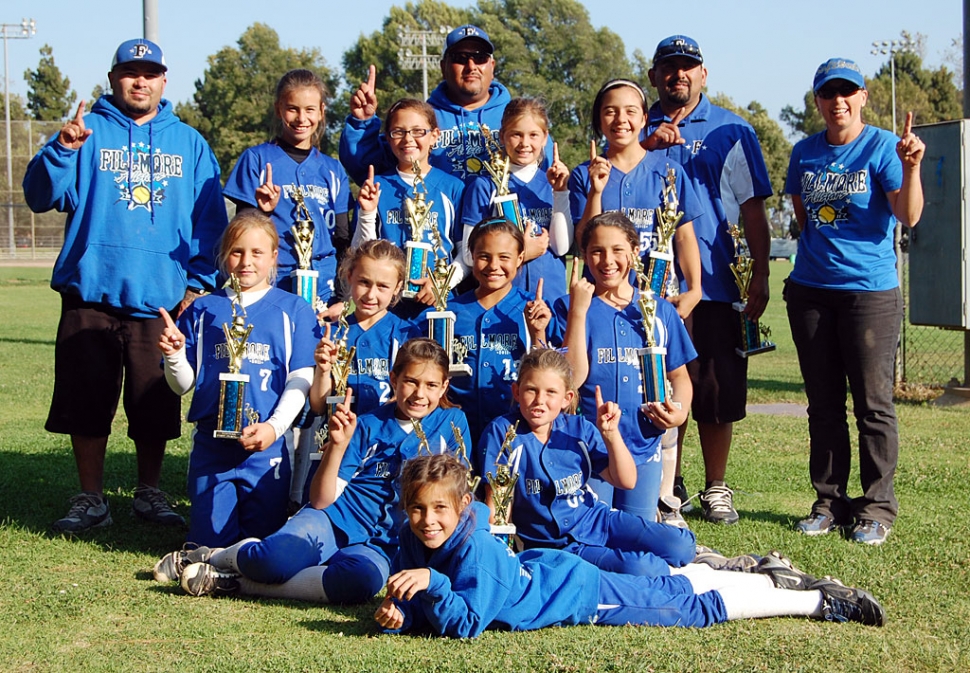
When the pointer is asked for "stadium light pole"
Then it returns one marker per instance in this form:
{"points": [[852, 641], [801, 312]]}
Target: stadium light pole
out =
{"points": [[892, 47], [423, 38], [24, 30]]}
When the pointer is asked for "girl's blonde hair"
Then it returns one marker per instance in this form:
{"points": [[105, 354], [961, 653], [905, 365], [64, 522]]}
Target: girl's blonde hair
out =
{"points": [[546, 358], [239, 225], [442, 470], [379, 250], [520, 107], [300, 78]]}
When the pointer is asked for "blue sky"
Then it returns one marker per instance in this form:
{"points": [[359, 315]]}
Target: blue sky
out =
{"points": [[755, 49]]}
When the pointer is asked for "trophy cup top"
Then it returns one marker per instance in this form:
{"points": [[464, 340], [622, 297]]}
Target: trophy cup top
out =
{"points": [[499, 164], [742, 267]]}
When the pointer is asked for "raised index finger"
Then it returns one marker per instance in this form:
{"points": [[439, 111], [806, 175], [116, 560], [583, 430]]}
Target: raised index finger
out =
{"points": [[79, 116], [574, 277], [592, 150], [166, 317], [678, 116], [599, 397], [539, 290], [349, 398], [269, 174], [555, 153], [372, 77], [370, 173], [908, 128]]}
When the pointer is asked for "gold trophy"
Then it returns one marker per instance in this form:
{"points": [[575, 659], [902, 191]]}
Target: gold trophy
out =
{"points": [[504, 203], [652, 358], [666, 219], [343, 363], [502, 484], [424, 448], [232, 385], [417, 250], [754, 336], [441, 321], [304, 278], [461, 453]]}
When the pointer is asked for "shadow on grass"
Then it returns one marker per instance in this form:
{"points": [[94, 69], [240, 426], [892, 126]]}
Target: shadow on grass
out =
{"points": [[777, 518], [35, 489], [28, 342], [775, 386]]}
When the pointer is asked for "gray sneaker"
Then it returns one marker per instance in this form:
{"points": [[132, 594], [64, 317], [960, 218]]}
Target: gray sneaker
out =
{"points": [[783, 572], [745, 563], [846, 604], [169, 568], [88, 510], [202, 579], [152, 505], [670, 516]]}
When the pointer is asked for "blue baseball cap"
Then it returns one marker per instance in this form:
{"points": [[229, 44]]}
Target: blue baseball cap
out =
{"points": [[141, 51], [678, 45], [838, 68], [466, 32]]}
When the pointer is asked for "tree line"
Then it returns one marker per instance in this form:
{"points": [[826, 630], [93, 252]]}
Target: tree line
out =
{"points": [[544, 47]]}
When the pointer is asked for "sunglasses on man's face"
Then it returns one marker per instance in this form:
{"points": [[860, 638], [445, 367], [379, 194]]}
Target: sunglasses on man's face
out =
{"points": [[461, 57], [830, 91]]}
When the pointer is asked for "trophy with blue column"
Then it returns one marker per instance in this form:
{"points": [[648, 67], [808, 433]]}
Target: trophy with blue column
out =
{"points": [[754, 335], [232, 384], [304, 278], [652, 358], [502, 484], [417, 251], [504, 203], [666, 219]]}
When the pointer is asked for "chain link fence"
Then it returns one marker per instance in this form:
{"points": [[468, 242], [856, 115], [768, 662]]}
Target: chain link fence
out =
{"points": [[25, 235], [931, 356]]}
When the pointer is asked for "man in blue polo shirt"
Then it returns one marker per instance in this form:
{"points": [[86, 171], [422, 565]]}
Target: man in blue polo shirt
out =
{"points": [[722, 157]]}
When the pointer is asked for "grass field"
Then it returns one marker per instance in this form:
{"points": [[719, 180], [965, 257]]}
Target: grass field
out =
{"points": [[89, 604]]}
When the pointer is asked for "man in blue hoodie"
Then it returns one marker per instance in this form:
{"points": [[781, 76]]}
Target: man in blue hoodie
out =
{"points": [[144, 214], [467, 98]]}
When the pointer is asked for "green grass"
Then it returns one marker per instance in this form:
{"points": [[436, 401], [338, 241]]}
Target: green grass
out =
{"points": [[89, 603]]}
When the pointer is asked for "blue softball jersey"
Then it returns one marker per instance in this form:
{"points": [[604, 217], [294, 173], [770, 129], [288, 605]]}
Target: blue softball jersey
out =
{"points": [[724, 162], [847, 242], [325, 189], [370, 370]]}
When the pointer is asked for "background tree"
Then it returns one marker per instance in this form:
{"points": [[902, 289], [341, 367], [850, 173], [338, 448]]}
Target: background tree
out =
{"points": [[543, 47], [49, 93], [232, 106], [932, 95], [18, 111]]}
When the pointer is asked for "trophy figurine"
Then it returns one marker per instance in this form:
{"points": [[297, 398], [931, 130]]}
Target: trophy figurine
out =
{"points": [[502, 484], [304, 278], [343, 364], [417, 250], [232, 385], [754, 336], [461, 453], [424, 448], [504, 203], [441, 321], [665, 225], [653, 368]]}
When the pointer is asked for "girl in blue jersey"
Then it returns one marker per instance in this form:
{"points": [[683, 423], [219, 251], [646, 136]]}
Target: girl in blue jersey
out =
{"points": [[631, 180], [268, 176], [455, 579], [412, 129], [555, 454], [337, 549], [498, 323], [602, 331], [543, 197], [239, 489], [373, 274]]}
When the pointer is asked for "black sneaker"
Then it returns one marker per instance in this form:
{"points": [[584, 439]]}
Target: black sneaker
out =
{"points": [[169, 568], [680, 491], [202, 579], [88, 510], [846, 604], [783, 572], [152, 505], [717, 504]]}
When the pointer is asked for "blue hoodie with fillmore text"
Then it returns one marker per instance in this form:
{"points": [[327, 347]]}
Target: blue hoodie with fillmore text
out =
{"points": [[144, 210]]}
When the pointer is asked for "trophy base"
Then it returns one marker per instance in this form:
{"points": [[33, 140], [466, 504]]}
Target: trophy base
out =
{"points": [[505, 533], [227, 434], [460, 369], [751, 335], [766, 347]]}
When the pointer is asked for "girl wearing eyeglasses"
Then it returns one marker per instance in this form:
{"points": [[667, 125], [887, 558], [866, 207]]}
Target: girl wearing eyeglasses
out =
{"points": [[849, 185], [412, 130]]}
